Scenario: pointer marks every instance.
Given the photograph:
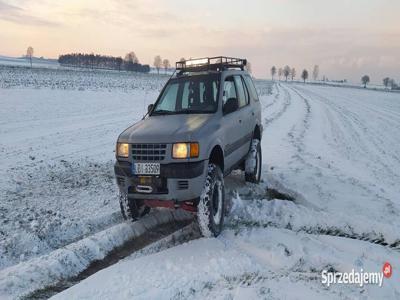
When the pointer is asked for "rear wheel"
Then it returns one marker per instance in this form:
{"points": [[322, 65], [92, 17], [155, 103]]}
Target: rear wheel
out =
{"points": [[132, 209], [210, 212], [253, 162]]}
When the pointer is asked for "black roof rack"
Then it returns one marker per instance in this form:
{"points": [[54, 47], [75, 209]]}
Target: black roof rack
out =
{"points": [[218, 63]]}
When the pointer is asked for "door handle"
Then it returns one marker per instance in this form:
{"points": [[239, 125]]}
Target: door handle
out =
{"points": [[240, 121], [252, 113]]}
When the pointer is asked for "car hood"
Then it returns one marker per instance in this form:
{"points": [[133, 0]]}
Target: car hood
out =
{"points": [[165, 128]]}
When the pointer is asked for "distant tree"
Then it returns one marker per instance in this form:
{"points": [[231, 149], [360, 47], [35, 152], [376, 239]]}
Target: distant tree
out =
{"points": [[304, 75], [293, 73], [315, 72], [29, 54], [273, 72], [131, 57], [286, 72], [386, 82], [166, 64], [118, 62], [182, 59], [157, 63], [365, 80], [280, 73]]}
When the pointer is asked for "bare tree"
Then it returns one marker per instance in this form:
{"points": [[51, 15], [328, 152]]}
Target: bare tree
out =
{"points": [[315, 72], [166, 64], [386, 82], [157, 63], [304, 75], [29, 54], [365, 80], [131, 57], [273, 72], [286, 72], [293, 73], [280, 73]]}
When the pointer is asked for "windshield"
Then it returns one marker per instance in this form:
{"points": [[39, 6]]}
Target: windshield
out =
{"points": [[192, 94]]}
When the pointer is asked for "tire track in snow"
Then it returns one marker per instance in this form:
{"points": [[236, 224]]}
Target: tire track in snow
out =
{"points": [[355, 138], [359, 133], [284, 105], [304, 157]]}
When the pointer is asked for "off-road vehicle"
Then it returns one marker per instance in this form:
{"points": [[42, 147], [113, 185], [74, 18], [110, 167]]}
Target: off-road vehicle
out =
{"points": [[205, 123]]}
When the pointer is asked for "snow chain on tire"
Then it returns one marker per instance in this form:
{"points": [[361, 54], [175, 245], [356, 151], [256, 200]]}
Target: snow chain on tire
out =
{"points": [[130, 209], [206, 213]]}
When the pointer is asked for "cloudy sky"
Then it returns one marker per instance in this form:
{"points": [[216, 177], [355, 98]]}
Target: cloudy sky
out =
{"points": [[346, 38]]}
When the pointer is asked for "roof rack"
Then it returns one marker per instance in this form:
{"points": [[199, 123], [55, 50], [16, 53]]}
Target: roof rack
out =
{"points": [[218, 63]]}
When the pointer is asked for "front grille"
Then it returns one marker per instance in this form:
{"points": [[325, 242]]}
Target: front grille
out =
{"points": [[148, 152], [183, 184]]}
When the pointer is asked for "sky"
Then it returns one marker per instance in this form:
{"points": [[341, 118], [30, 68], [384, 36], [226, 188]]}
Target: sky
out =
{"points": [[346, 38]]}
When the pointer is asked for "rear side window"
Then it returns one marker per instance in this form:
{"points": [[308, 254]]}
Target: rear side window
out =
{"points": [[241, 91], [251, 87], [229, 90]]}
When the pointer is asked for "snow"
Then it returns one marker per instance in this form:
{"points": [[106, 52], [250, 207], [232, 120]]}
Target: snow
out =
{"points": [[74, 258], [323, 147], [332, 152], [57, 153]]}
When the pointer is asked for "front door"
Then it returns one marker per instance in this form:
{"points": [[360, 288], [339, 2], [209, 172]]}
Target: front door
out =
{"points": [[233, 126]]}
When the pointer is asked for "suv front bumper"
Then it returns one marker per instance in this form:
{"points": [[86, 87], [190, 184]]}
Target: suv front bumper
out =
{"points": [[181, 181]]}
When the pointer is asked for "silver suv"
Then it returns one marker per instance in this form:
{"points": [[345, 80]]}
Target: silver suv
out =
{"points": [[205, 123]]}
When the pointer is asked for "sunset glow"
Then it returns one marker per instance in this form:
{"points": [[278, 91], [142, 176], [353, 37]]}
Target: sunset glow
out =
{"points": [[345, 38]]}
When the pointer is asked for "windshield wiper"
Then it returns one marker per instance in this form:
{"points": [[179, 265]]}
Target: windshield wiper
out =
{"points": [[163, 112]]}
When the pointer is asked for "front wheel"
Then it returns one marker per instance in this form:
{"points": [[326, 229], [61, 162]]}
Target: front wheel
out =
{"points": [[253, 162], [210, 211], [132, 209]]}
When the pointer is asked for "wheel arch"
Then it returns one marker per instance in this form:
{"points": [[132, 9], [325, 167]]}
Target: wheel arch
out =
{"points": [[257, 132], [217, 156]]}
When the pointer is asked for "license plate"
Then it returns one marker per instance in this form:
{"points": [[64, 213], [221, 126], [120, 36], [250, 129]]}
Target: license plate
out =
{"points": [[146, 169]]}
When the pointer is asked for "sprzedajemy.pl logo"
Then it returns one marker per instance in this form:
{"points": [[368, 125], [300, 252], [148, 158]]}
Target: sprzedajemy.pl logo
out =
{"points": [[360, 278]]}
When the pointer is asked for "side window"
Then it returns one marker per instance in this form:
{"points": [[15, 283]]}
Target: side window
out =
{"points": [[246, 91], [229, 90], [240, 91], [251, 87]]}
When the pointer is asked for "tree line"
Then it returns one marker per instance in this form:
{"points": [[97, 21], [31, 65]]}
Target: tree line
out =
{"points": [[288, 72], [97, 61]]}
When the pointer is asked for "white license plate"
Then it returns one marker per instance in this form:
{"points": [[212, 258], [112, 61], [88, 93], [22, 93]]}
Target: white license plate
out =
{"points": [[146, 169]]}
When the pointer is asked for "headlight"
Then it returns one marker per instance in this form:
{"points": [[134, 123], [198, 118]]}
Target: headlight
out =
{"points": [[122, 150], [185, 150]]}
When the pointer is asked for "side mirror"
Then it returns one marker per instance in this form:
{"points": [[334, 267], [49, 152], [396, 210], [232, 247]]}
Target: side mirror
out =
{"points": [[150, 108], [230, 106]]}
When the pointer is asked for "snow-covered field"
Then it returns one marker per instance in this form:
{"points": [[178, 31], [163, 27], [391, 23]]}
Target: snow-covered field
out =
{"points": [[332, 152]]}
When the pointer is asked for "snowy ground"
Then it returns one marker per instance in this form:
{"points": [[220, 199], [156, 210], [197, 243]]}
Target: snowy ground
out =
{"points": [[334, 151], [57, 150]]}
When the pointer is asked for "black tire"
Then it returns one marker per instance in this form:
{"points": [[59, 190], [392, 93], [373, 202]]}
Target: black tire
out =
{"points": [[132, 209], [253, 162], [210, 211]]}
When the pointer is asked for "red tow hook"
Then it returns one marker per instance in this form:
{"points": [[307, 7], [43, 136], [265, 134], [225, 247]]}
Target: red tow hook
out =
{"points": [[185, 205]]}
